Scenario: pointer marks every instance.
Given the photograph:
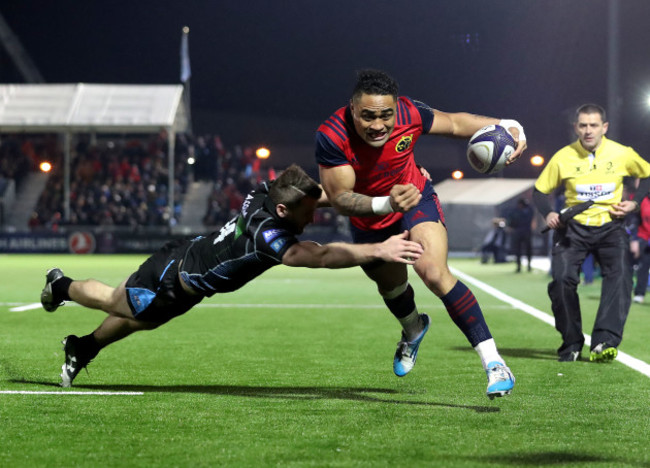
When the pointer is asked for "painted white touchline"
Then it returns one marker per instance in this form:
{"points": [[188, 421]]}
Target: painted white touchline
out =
{"points": [[632, 362], [35, 305], [63, 392]]}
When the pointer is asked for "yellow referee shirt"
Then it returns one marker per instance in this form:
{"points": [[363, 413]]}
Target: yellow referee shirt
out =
{"points": [[588, 176]]}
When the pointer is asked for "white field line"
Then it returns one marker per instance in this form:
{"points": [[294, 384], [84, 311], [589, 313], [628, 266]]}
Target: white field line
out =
{"points": [[35, 305], [631, 362], [63, 392]]}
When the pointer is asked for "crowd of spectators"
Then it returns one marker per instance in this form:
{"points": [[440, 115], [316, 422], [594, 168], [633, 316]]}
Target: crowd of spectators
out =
{"points": [[18, 156], [124, 181], [235, 173], [115, 183]]}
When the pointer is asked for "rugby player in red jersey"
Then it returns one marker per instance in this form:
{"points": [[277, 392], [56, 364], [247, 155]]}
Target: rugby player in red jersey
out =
{"points": [[367, 168]]}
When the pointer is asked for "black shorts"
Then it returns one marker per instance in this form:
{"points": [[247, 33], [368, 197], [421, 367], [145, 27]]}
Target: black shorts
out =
{"points": [[154, 292]]}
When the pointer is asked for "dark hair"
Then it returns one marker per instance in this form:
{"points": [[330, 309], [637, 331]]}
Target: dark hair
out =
{"points": [[591, 109], [292, 186], [376, 83]]}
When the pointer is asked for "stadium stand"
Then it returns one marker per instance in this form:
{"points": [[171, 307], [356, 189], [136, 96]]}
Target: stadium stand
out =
{"points": [[17, 158], [115, 183]]}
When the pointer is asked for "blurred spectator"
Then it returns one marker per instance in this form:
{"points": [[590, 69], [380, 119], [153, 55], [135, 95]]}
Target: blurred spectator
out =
{"points": [[520, 224], [589, 269], [495, 242], [640, 247], [17, 158]]}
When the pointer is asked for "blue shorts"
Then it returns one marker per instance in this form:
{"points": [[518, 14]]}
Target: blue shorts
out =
{"points": [[428, 209]]}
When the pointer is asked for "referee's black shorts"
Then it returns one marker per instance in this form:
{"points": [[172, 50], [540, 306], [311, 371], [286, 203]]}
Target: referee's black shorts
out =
{"points": [[154, 292]]}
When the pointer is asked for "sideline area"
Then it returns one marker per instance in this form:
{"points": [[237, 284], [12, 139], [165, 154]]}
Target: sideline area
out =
{"points": [[631, 362]]}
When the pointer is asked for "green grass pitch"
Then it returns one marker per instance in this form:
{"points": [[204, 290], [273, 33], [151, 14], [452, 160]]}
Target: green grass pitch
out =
{"points": [[295, 370]]}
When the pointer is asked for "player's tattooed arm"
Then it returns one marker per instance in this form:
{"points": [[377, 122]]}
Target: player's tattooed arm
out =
{"points": [[403, 197], [353, 204], [338, 182]]}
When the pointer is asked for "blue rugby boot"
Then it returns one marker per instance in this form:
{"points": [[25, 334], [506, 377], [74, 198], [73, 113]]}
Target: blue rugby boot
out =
{"points": [[500, 380], [49, 302], [407, 351]]}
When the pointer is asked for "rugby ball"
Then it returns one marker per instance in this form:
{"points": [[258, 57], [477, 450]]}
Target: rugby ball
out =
{"points": [[489, 149]]}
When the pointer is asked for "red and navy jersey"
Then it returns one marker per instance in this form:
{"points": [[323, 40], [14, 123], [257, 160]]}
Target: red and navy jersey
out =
{"points": [[644, 228], [377, 170]]}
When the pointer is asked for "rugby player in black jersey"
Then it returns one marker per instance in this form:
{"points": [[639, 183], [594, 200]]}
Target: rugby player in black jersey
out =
{"points": [[183, 272]]}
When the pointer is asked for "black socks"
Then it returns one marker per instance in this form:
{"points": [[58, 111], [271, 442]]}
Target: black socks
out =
{"points": [[60, 288]]}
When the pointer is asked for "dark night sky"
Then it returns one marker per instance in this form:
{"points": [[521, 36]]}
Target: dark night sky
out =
{"points": [[288, 62]]}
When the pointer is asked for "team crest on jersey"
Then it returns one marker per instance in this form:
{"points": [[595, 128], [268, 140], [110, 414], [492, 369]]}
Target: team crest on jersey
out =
{"points": [[404, 143]]}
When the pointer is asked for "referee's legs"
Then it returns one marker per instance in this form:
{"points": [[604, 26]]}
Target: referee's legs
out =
{"points": [[563, 291], [616, 292]]}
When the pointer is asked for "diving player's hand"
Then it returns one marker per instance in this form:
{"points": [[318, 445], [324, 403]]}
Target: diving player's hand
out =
{"points": [[399, 249], [404, 197], [424, 172]]}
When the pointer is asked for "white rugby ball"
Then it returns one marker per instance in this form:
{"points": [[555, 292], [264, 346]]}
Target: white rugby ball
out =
{"points": [[489, 149]]}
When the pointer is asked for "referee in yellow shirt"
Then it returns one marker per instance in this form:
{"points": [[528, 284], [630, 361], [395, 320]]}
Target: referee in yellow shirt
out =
{"points": [[591, 168]]}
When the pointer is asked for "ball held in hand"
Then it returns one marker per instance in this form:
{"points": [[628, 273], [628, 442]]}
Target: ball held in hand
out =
{"points": [[489, 149]]}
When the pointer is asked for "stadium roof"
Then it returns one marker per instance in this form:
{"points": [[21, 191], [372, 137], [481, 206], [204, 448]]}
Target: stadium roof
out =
{"points": [[100, 108], [485, 191]]}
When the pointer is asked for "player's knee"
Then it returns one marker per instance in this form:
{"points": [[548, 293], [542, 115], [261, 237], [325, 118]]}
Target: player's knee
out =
{"points": [[116, 304], [434, 278], [143, 325]]}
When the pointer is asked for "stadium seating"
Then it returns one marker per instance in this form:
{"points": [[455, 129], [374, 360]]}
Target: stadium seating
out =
{"points": [[114, 183], [122, 184]]}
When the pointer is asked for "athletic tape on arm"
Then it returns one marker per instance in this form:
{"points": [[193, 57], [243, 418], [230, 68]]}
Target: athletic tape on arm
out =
{"points": [[381, 205], [507, 123]]}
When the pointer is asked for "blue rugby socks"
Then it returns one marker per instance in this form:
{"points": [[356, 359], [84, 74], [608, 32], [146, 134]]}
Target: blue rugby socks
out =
{"points": [[464, 310]]}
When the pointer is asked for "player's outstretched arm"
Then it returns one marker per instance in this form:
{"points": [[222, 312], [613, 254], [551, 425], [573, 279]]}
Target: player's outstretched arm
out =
{"points": [[342, 255], [464, 125]]}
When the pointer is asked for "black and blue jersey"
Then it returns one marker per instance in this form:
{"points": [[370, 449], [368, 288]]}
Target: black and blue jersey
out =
{"points": [[247, 246], [243, 249]]}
